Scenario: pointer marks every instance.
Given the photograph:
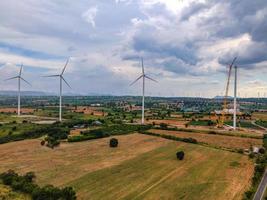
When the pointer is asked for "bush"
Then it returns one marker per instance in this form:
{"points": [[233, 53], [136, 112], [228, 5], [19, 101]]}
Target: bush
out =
{"points": [[251, 155], [52, 142], [29, 176], [113, 142], [163, 125], [25, 184], [180, 155], [262, 150], [190, 140]]}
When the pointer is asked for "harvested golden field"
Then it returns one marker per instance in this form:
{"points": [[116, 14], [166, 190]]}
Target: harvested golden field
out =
{"points": [[96, 111], [14, 110], [205, 173], [142, 167], [218, 140], [72, 160], [260, 116]]}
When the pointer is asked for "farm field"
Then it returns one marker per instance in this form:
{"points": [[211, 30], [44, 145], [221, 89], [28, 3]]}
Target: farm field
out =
{"points": [[71, 160], [15, 128], [142, 167], [181, 124], [260, 116], [89, 110], [14, 110], [173, 122], [218, 140]]}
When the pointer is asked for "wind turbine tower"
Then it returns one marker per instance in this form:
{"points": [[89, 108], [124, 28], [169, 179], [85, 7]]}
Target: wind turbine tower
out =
{"points": [[19, 77], [235, 92], [60, 88], [143, 76]]}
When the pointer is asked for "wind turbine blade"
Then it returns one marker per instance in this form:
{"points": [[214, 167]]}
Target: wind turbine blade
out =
{"points": [[51, 76], [20, 70], [65, 67], [136, 80], [233, 61], [151, 79], [143, 70], [12, 78], [65, 81], [25, 81]]}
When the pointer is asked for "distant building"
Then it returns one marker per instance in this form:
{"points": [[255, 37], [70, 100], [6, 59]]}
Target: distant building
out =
{"points": [[95, 105], [96, 123], [255, 149]]}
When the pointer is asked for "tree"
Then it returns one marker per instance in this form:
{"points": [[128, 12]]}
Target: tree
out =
{"points": [[29, 176], [180, 155], [163, 125], [113, 142], [68, 193]]}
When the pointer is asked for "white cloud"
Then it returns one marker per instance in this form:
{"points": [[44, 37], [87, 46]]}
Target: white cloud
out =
{"points": [[90, 15], [184, 43]]}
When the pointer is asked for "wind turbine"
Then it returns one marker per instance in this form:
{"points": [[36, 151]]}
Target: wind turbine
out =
{"points": [[143, 76], [19, 77], [60, 88]]}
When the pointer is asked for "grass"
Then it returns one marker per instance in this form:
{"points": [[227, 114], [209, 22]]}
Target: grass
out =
{"points": [[158, 175], [262, 123], [260, 116], [5, 118], [230, 142], [201, 123], [142, 167], [244, 124], [15, 128]]}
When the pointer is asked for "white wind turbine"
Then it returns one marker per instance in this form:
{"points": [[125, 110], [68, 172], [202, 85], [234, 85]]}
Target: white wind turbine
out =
{"points": [[19, 77], [144, 76], [60, 88]]}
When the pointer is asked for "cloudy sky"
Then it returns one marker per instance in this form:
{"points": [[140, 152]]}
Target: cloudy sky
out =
{"points": [[186, 45]]}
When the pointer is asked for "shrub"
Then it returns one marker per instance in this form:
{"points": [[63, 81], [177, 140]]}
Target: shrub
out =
{"points": [[190, 140], [163, 125], [29, 176], [180, 155], [25, 184], [251, 155], [113, 142], [262, 150], [52, 142]]}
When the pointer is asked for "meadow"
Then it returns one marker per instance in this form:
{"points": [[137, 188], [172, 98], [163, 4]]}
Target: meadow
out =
{"points": [[141, 167], [231, 142]]}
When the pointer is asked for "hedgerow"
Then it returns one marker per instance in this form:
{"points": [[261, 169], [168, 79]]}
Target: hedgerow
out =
{"points": [[26, 185]]}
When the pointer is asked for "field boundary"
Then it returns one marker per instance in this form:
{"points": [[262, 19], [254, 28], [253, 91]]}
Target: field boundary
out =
{"points": [[189, 140], [211, 132]]}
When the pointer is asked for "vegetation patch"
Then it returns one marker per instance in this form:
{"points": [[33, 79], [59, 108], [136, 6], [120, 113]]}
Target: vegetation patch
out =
{"points": [[231, 143], [201, 123], [113, 142], [259, 169], [106, 131], [26, 185]]}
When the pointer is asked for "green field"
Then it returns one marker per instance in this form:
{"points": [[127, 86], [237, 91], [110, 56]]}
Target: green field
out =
{"points": [[16, 128]]}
